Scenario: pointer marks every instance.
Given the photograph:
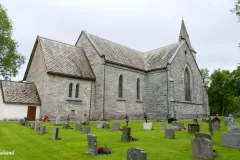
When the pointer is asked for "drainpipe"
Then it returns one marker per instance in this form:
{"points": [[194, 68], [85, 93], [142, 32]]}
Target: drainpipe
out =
{"points": [[168, 99], [90, 103], [103, 108]]}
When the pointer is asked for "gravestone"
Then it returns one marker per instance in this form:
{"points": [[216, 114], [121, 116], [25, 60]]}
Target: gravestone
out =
{"points": [[25, 121], [65, 125], [78, 127], [201, 135], [180, 125], [216, 126], [42, 130], [92, 144], [55, 132], [58, 122], [100, 124], [147, 126], [195, 121], [231, 140], [233, 127], [228, 120], [33, 125], [126, 134], [163, 126], [106, 126], [202, 148], [193, 128], [136, 154], [21, 121], [169, 133], [36, 127], [86, 129], [116, 126], [28, 124], [175, 128]]}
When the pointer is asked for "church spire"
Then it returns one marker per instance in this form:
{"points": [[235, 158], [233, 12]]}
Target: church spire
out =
{"points": [[184, 36]]}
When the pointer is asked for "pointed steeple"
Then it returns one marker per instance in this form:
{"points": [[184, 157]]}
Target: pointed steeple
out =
{"points": [[184, 36]]}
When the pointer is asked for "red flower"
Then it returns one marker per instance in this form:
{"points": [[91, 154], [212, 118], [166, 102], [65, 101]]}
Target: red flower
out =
{"points": [[100, 149]]}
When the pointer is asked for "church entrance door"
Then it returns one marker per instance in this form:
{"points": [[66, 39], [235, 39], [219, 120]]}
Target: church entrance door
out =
{"points": [[31, 114]]}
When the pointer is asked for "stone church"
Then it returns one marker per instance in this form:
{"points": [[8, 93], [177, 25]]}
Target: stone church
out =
{"points": [[106, 80]]}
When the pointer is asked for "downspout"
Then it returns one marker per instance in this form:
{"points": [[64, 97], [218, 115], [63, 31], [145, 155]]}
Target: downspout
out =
{"points": [[168, 103], [90, 109], [103, 108]]}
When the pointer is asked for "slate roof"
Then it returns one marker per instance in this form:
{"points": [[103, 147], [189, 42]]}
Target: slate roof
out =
{"points": [[158, 58], [117, 53], [65, 59], [19, 92]]}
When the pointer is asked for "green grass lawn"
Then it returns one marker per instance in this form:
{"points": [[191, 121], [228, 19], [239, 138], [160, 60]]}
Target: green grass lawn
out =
{"points": [[30, 145]]}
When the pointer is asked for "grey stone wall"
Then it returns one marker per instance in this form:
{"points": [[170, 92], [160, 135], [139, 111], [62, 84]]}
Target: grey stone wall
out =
{"points": [[97, 64], [177, 68], [156, 94], [116, 108], [37, 74], [56, 101]]}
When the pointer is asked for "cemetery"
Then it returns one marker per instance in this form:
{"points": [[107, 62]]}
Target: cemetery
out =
{"points": [[192, 139]]}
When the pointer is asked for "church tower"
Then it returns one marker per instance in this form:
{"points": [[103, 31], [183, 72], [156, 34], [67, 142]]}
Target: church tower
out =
{"points": [[184, 36]]}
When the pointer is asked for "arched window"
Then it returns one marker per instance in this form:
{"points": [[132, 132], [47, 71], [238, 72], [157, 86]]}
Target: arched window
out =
{"points": [[187, 85], [77, 91], [120, 87], [70, 90], [138, 88]]}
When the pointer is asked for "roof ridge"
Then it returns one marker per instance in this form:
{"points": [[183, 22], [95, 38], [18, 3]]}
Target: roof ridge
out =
{"points": [[161, 47], [40, 37], [114, 42]]}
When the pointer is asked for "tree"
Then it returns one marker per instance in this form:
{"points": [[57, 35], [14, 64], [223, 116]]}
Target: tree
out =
{"points": [[236, 81], [220, 93], [236, 8], [10, 60], [205, 76]]}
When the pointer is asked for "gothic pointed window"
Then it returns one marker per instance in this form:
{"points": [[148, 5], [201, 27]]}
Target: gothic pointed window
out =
{"points": [[138, 88], [77, 91], [70, 90], [120, 87], [187, 85]]}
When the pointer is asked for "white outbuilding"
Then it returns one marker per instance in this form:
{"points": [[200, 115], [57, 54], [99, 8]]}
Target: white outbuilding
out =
{"points": [[18, 100]]}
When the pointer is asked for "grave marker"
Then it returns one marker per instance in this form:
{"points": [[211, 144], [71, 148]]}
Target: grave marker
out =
{"points": [[92, 144], [163, 126], [78, 127], [106, 126], [126, 134], [33, 125], [193, 128], [136, 154], [55, 132], [36, 127], [100, 124], [116, 126], [195, 121], [86, 129], [169, 133], [42, 130]]}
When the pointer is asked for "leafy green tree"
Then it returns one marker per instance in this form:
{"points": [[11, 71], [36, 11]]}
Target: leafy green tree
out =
{"points": [[236, 81], [205, 76], [220, 93], [10, 60]]}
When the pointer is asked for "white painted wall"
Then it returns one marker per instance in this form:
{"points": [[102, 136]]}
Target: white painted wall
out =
{"points": [[14, 111]]}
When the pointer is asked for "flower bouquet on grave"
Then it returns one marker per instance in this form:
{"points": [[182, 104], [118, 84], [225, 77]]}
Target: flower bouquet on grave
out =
{"points": [[134, 138], [104, 150]]}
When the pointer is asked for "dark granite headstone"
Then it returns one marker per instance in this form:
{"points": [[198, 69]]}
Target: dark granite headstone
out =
{"points": [[65, 125], [42, 130], [193, 128], [92, 144], [55, 132], [126, 134], [136, 154], [25, 121]]}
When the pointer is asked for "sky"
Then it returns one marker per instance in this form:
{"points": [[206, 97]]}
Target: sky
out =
{"points": [[139, 24]]}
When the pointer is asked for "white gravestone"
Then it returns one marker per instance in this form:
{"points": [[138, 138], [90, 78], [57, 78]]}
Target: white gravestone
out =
{"points": [[147, 126]]}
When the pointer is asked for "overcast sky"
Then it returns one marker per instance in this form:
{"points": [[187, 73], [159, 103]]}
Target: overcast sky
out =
{"points": [[139, 24]]}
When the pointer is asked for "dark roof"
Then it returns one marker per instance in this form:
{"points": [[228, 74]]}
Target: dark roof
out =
{"points": [[65, 59], [20, 93], [158, 58], [117, 53]]}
